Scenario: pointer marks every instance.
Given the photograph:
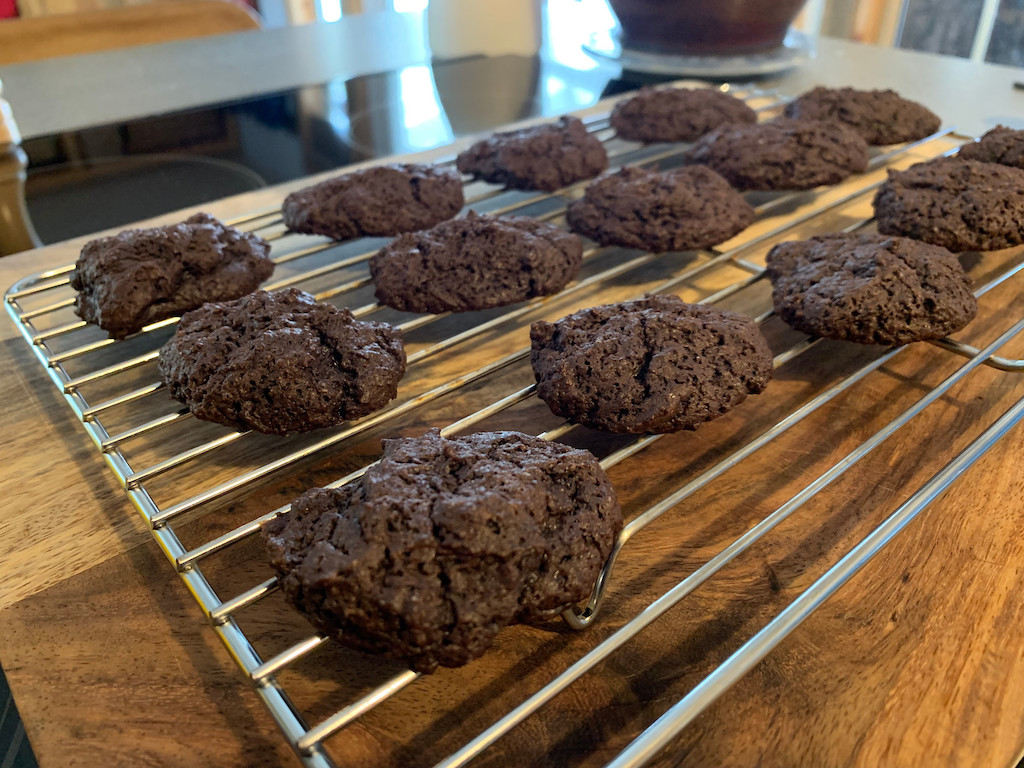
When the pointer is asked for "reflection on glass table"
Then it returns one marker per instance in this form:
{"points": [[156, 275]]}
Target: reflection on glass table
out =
{"points": [[108, 176]]}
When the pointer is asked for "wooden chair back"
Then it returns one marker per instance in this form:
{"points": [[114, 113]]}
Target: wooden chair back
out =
{"points": [[31, 39]]}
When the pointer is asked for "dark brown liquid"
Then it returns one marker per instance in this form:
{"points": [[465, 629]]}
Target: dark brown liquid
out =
{"points": [[705, 26]]}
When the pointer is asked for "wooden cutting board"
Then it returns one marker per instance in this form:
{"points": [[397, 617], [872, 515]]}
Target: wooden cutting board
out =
{"points": [[913, 662]]}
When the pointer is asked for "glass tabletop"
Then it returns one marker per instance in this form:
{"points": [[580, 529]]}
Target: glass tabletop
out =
{"points": [[108, 176]]}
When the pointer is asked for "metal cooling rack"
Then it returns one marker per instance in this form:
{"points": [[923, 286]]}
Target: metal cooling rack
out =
{"points": [[113, 389]]}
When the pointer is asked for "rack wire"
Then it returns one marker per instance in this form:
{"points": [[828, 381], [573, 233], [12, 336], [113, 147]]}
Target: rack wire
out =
{"points": [[155, 448]]}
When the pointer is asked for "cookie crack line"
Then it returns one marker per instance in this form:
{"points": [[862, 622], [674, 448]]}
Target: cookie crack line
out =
{"points": [[487, 474]]}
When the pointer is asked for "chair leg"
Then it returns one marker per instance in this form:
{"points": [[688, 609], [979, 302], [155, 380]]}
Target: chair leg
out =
{"points": [[16, 232]]}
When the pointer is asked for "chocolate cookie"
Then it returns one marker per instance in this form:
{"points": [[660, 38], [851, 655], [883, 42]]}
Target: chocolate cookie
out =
{"points": [[880, 117], [963, 205], [1000, 145], [281, 361], [544, 157], [139, 276], [380, 201], [654, 365], [677, 114], [475, 263], [676, 210], [444, 542], [782, 154], [872, 289]]}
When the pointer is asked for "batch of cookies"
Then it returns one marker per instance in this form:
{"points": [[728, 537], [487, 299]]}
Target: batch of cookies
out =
{"points": [[446, 540]]}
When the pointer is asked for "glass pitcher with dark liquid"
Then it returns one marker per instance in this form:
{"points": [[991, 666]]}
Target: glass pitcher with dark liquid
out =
{"points": [[704, 27]]}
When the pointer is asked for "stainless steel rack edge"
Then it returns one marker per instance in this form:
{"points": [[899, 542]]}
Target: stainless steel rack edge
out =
{"points": [[308, 741]]}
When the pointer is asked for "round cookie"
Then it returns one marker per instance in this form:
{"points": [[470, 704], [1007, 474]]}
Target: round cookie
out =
{"points": [[545, 157], [963, 205], [880, 117], [872, 289], [475, 263], [677, 114], [380, 201], [653, 365], [444, 542], [677, 210], [140, 276], [281, 361], [782, 154], [1000, 145]]}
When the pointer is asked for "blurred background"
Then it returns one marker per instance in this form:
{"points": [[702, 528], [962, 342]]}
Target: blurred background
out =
{"points": [[985, 30], [108, 175]]}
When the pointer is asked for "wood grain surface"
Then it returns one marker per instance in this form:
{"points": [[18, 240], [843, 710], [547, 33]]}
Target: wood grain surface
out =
{"points": [[44, 37], [914, 662]]}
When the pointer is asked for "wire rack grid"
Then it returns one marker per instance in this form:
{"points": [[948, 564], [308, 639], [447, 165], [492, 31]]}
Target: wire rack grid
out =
{"points": [[156, 449]]}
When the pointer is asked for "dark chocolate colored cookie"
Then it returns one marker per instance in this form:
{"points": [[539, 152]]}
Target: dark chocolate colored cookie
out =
{"points": [[544, 157], [654, 365], [872, 289], [677, 114], [139, 276], [380, 201], [1000, 145], [963, 205], [782, 154], [475, 263], [444, 542], [279, 362], [880, 117], [677, 210]]}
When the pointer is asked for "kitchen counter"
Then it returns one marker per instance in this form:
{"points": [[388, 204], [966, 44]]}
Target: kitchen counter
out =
{"points": [[915, 662]]}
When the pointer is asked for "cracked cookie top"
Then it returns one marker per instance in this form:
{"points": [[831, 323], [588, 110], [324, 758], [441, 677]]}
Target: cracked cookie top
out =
{"points": [[1000, 145], [280, 362], [544, 157], [880, 117], [963, 205], [444, 542], [381, 201], [677, 114], [139, 276], [677, 210], [872, 289], [782, 154], [474, 263], [653, 365]]}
